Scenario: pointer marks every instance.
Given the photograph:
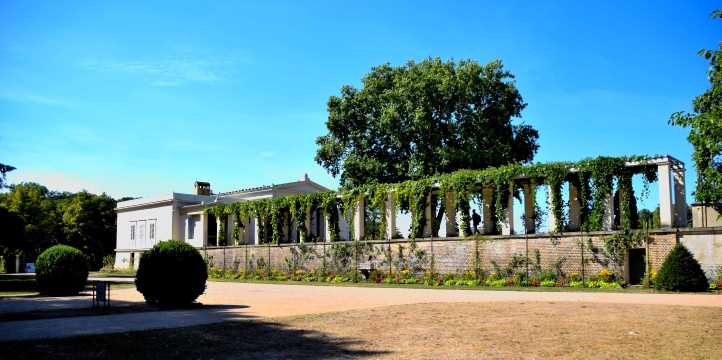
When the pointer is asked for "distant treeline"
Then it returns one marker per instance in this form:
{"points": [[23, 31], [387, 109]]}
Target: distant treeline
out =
{"points": [[33, 218]]}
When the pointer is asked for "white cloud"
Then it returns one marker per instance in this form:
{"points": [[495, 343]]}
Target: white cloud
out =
{"points": [[167, 72]]}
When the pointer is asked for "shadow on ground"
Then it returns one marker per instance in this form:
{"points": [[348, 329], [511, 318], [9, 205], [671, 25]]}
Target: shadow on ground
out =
{"points": [[238, 337]]}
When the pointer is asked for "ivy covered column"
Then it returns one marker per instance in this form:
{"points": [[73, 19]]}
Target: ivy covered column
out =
{"points": [[429, 215], [680, 199], [305, 236], [452, 230], [608, 217], [390, 213], [529, 206], [257, 231], [507, 223], [552, 218], [358, 219], [665, 196], [488, 196], [575, 209]]}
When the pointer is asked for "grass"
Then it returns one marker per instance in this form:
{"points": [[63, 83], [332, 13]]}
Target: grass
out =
{"points": [[421, 331]]}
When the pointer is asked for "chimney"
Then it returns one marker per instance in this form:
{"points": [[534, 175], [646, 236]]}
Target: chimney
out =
{"points": [[202, 188], [305, 177]]}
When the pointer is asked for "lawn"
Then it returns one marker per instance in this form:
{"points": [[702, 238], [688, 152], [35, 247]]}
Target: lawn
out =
{"points": [[422, 331]]}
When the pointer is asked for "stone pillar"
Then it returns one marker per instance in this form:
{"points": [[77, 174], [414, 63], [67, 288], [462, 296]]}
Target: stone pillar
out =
{"points": [[390, 216], [575, 208], [665, 196], [257, 231], [680, 199], [488, 224], [452, 229], [529, 208], [507, 224], [429, 214], [204, 226], [358, 219], [307, 224], [608, 217], [219, 220], [551, 218]]}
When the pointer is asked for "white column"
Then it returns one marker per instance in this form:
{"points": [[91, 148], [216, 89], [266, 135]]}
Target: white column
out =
{"points": [[551, 218], [429, 214], [307, 224], [452, 229], [507, 224], [680, 199], [575, 208], [488, 195], [257, 230], [358, 219], [608, 219], [390, 216], [327, 227], [219, 219], [204, 226], [665, 196], [529, 208]]}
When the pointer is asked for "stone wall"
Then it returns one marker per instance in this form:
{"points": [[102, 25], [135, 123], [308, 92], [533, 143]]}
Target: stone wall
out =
{"points": [[448, 255]]}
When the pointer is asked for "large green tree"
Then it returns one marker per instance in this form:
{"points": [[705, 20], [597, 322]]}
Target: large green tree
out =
{"points": [[425, 118], [40, 218], [705, 124], [4, 169]]}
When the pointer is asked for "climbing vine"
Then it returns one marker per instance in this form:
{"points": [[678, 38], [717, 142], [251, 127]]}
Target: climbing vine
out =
{"points": [[594, 179]]}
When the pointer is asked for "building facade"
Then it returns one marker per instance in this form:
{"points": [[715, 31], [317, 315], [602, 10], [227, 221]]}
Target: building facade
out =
{"points": [[143, 222]]}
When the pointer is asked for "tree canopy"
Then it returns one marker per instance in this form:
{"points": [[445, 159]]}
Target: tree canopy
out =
{"points": [[422, 119], [34, 218], [4, 169], [705, 123]]}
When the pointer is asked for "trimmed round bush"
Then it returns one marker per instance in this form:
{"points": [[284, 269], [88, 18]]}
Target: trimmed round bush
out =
{"points": [[61, 270], [171, 273], [681, 272]]}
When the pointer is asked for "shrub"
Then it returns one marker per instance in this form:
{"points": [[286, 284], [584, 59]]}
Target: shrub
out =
{"points": [[548, 283], [171, 273], [61, 270], [681, 272]]}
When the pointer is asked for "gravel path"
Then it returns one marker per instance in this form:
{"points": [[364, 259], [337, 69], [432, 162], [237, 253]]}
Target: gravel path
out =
{"points": [[237, 301]]}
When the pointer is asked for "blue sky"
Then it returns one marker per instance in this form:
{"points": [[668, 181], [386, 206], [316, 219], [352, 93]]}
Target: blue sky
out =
{"points": [[135, 99]]}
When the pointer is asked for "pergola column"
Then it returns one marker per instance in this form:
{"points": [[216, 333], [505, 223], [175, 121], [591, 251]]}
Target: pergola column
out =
{"points": [[575, 208], [219, 221], [452, 229], [488, 224], [306, 224], [665, 196], [552, 218], [507, 224], [529, 208], [257, 231], [204, 226], [680, 199], [358, 219], [390, 214], [429, 215], [608, 217], [229, 230], [327, 227]]}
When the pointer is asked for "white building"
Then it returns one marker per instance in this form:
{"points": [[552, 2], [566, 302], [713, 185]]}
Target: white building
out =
{"points": [[142, 223]]}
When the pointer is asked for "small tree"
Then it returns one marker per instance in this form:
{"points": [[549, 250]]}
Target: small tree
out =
{"points": [[681, 272]]}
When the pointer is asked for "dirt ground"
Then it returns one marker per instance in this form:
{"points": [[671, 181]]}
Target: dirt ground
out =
{"points": [[496, 330]]}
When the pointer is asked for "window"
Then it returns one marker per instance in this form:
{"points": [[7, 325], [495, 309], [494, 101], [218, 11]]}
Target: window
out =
{"points": [[151, 231], [191, 226], [132, 233], [141, 234]]}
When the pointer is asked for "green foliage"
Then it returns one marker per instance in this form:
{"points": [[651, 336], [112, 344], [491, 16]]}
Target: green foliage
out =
{"points": [[61, 270], [426, 118], [171, 273], [83, 220], [705, 134], [681, 272]]}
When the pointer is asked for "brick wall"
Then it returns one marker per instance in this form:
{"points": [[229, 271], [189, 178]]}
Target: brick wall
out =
{"points": [[449, 255]]}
